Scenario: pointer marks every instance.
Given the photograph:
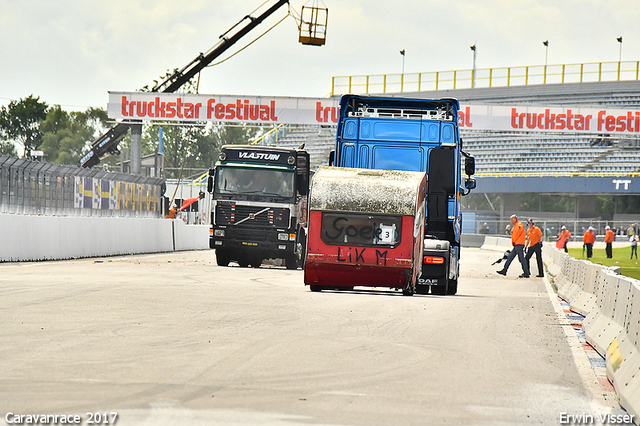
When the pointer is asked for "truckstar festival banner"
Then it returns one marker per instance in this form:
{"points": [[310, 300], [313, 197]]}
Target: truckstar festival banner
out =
{"points": [[275, 110], [222, 108]]}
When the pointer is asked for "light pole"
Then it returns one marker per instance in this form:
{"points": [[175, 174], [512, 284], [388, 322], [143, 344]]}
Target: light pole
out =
{"points": [[402, 52], [473, 71], [620, 54], [619, 57], [546, 54]]}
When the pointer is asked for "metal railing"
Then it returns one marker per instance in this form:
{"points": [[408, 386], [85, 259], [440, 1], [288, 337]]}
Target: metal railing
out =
{"points": [[555, 174], [35, 188], [486, 77], [273, 135], [550, 228]]}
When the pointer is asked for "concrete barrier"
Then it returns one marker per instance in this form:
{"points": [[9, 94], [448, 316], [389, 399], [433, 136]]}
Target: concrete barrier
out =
{"points": [[496, 244], [576, 285], [472, 240], [611, 304], [613, 330], [32, 238]]}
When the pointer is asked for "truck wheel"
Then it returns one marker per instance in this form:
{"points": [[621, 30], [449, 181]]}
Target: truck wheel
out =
{"points": [[453, 287], [315, 288], [291, 261], [302, 247], [243, 261], [409, 290], [222, 258], [256, 262]]}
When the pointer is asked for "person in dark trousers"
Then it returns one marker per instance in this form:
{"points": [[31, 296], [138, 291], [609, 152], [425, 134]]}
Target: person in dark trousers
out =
{"points": [[518, 237], [634, 245], [565, 235], [608, 240], [589, 239], [534, 245]]}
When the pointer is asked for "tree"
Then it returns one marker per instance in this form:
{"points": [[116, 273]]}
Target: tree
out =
{"points": [[197, 147], [67, 135], [7, 148], [20, 122]]}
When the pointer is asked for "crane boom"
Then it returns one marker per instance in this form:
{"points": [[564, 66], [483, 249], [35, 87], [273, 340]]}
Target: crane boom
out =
{"points": [[108, 142]]}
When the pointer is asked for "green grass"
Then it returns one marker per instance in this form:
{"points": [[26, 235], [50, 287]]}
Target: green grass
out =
{"points": [[628, 267]]}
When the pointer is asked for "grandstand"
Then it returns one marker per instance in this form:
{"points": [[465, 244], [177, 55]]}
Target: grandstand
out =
{"points": [[318, 140]]}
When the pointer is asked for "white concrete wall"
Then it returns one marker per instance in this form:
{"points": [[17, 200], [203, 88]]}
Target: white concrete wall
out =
{"points": [[29, 238], [611, 306]]}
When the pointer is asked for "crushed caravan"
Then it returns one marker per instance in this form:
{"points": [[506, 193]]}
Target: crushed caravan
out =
{"points": [[366, 228]]}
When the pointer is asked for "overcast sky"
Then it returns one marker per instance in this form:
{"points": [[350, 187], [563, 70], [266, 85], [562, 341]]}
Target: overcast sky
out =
{"points": [[72, 52]]}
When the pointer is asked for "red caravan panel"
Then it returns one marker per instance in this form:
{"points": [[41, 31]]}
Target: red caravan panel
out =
{"points": [[366, 228], [348, 266]]}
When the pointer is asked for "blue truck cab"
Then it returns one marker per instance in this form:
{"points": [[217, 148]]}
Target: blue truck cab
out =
{"points": [[414, 135]]}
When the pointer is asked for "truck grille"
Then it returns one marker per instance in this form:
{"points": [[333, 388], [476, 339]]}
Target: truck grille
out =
{"points": [[231, 214]]}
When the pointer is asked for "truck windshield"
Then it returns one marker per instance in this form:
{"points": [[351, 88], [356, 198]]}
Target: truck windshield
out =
{"points": [[250, 181]]}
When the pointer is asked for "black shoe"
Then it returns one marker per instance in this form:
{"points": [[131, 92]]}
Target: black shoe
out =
{"points": [[502, 272], [540, 276], [524, 276]]}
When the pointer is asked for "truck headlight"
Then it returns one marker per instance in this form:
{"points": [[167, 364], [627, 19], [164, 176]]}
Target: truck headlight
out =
{"points": [[282, 247], [283, 237], [218, 233]]}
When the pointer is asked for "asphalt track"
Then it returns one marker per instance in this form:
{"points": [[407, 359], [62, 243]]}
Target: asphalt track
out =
{"points": [[173, 339]]}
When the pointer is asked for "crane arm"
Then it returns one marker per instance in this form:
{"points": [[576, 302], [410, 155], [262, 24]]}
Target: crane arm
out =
{"points": [[108, 142]]}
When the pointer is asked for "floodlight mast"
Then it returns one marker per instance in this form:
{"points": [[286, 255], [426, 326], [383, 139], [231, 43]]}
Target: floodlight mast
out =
{"points": [[108, 142]]}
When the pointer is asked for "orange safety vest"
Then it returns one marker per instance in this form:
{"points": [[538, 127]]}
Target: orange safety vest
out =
{"points": [[518, 233], [610, 236], [589, 237], [534, 235]]}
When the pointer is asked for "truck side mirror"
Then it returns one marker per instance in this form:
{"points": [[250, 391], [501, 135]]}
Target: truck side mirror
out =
{"points": [[470, 183], [210, 181], [470, 165], [302, 182]]}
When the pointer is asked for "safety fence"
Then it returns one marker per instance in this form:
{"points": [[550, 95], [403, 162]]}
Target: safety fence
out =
{"points": [[486, 77], [35, 188], [611, 305], [476, 223]]}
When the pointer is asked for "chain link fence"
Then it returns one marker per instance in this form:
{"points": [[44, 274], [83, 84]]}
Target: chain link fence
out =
{"points": [[473, 223], [35, 188]]}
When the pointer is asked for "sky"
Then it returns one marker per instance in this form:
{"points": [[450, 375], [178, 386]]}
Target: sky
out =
{"points": [[72, 52]]}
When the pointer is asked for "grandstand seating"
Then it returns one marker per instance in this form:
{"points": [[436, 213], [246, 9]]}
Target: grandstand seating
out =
{"points": [[318, 140]]}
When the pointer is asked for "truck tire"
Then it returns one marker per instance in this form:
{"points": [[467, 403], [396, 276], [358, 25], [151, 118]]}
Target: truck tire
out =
{"points": [[243, 261], [256, 261], [291, 261], [222, 258], [315, 288], [409, 290], [302, 247]]}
